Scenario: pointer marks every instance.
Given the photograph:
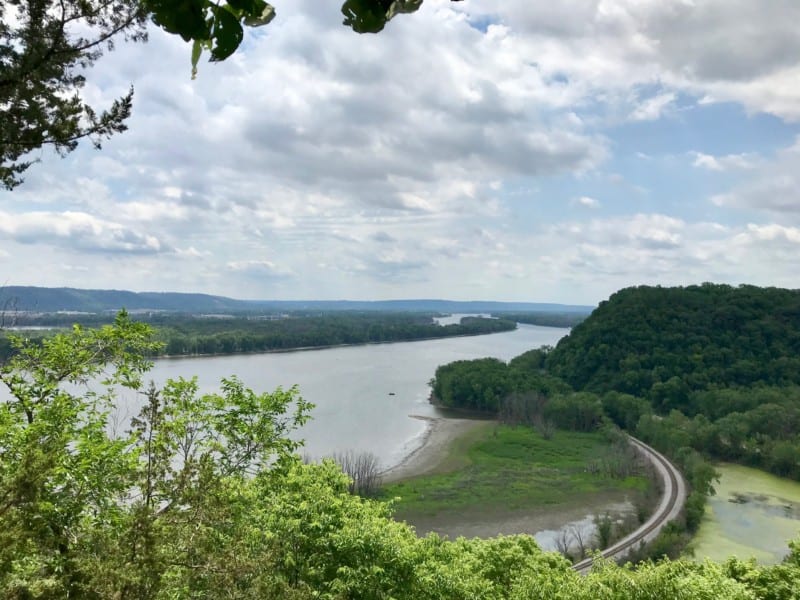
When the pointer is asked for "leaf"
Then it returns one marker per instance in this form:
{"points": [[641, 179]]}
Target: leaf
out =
{"points": [[226, 34], [247, 6], [184, 17], [197, 50], [262, 14]]}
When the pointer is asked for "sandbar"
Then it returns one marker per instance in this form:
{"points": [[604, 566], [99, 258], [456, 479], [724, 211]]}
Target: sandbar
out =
{"points": [[440, 433]]}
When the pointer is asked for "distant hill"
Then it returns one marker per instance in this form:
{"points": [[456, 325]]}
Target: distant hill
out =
{"points": [[49, 300]]}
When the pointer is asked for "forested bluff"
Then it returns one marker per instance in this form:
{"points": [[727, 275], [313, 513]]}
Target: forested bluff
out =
{"points": [[702, 372]]}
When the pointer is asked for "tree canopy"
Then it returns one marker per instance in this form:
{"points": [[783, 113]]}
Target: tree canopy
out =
{"points": [[46, 45], [663, 343]]}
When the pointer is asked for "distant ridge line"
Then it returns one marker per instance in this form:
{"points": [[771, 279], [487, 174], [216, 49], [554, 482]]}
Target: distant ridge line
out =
{"points": [[44, 299]]}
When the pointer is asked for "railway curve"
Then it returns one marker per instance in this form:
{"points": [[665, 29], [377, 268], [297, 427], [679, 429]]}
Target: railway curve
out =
{"points": [[670, 506]]}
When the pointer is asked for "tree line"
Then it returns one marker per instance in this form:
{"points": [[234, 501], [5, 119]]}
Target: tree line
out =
{"points": [[185, 335], [543, 318]]}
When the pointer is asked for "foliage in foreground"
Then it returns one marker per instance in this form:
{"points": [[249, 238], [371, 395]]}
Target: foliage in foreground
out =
{"points": [[205, 497]]}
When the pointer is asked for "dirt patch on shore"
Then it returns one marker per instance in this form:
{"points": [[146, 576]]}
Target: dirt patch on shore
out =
{"points": [[433, 454]]}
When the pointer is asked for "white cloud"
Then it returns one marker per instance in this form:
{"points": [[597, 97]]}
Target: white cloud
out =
{"points": [[260, 268], [721, 50], [772, 233], [773, 188], [153, 210], [726, 162], [606, 254], [319, 163], [76, 230], [652, 109], [587, 202]]}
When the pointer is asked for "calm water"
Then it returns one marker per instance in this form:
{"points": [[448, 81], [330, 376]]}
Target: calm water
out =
{"points": [[364, 395], [753, 514]]}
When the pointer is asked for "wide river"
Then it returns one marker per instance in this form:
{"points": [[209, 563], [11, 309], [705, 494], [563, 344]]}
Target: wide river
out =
{"points": [[365, 396]]}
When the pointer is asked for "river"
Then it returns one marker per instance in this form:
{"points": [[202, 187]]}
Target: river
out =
{"points": [[365, 396]]}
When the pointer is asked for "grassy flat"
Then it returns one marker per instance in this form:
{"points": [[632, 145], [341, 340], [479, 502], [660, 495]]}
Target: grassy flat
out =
{"points": [[499, 467]]}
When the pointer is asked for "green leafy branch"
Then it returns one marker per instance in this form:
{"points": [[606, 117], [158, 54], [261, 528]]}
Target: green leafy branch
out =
{"points": [[217, 27]]}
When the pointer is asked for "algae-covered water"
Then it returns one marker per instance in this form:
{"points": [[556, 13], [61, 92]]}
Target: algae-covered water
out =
{"points": [[753, 514]]}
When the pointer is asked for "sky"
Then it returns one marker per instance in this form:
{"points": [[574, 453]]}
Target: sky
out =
{"points": [[511, 150]]}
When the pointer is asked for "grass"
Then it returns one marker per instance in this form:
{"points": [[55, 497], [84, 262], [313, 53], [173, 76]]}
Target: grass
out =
{"points": [[504, 468]]}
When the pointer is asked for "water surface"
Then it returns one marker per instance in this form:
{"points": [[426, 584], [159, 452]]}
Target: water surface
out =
{"points": [[364, 395], [753, 514]]}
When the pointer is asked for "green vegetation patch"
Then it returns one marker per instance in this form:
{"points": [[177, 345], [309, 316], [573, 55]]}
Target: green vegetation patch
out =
{"points": [[507, 468]]}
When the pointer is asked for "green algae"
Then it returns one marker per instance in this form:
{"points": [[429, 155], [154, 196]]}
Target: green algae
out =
{"points": [[753, 514]]}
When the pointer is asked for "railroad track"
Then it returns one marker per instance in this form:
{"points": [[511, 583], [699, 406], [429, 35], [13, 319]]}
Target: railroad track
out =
{"points": [[670, 506]]}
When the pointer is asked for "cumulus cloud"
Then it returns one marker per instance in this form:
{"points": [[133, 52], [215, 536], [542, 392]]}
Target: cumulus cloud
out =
{"points": [[610, 253], [772, 233], [718, 50], [393, 267], [725, 162], [653, 108], [153, 211], [773, 188], [587, 202], [77, 230], [412, 162], [260, 269], [649, 231]]}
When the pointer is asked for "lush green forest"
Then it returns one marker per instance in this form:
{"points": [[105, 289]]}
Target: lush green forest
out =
{"points": [[484, 384], [661, 343], [720, 365], [205, 497], [189, 335], [702, 373]]}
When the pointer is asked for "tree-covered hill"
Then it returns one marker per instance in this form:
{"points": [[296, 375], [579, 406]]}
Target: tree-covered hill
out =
{"points": [[664, 343]]}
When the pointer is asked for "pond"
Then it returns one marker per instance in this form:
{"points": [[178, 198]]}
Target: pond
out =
{"points": [[753, 514]]}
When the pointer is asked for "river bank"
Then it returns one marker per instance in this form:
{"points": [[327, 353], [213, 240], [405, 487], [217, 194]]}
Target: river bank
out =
{"points": [[323, 347], [474, 478], [434, 448]]}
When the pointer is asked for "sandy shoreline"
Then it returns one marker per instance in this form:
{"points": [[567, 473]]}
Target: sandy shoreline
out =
{"points": [[432, 451], [543, 522]]}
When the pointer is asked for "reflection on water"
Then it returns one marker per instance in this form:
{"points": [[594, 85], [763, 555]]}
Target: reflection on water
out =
{"points": [[753, 514], [582, 533]]}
